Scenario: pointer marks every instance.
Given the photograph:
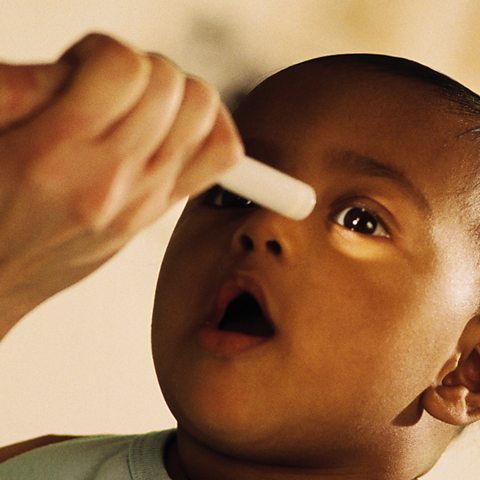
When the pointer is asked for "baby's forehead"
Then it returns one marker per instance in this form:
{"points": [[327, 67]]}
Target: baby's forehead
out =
{"points": [[338, 77], [399, 112], [312, 96], [391, 88]]}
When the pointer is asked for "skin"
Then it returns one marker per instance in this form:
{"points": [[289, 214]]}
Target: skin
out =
{"points": [[365, 323], [376, 348], [94, 148]]}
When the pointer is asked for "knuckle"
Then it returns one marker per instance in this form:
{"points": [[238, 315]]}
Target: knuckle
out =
{"points": [[203, 95], [226, 139], [92, 38], [130, 65], [222, 154], [231, 154], [167, 77], [17, 86], [102, 44], [164, 66], [126, 63], [90, 211]]}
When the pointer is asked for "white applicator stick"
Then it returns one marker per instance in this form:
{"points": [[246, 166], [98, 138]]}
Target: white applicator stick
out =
{"points": [[270, 188]]}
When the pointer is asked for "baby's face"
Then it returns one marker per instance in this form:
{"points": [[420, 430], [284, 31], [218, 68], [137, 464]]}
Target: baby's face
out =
{"points": [[366, 297]]}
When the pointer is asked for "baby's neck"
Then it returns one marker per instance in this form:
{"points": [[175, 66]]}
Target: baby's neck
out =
{"points": [[186, 459]]}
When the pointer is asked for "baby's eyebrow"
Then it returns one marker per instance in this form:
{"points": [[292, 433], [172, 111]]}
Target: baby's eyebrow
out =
{"points": [[362, 165]]}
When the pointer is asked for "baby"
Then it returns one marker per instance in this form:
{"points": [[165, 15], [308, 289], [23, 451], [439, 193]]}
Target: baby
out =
{"points": [[343, 346]]}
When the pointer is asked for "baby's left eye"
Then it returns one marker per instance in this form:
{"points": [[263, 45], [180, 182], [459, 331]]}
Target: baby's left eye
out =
{"points": [[221, 198], [360, 220]]}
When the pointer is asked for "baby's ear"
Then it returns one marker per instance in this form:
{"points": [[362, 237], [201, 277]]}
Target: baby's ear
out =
{"points": [[454, 397]]}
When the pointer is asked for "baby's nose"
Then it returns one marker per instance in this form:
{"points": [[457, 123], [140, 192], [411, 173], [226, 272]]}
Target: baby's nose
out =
{"points": [[262, 232], [248, 244]]}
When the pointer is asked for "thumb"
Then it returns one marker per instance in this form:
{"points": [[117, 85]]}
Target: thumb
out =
{"points": [[26, 89]]}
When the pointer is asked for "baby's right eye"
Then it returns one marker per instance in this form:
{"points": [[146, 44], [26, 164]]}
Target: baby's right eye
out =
{"points": [[361, 220], [221, 198]]}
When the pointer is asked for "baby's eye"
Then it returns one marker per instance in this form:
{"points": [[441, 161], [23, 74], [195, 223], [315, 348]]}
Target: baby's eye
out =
{"points": [[360, 220], [221, 198]]}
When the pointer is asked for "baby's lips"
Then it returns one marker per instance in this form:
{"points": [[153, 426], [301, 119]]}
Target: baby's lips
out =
{"points": [[232, 287]]}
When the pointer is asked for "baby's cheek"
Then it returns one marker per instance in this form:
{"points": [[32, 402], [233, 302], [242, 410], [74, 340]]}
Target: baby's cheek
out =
{"points": [[373, 290], [387, 268], [361, 247]]}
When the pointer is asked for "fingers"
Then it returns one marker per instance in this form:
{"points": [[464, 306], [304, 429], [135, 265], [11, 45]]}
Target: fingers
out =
{"points": [[25, 89], [194, 122], [145, 126], [117, 137], [125, 126], [168, 127], [109, 78], [220, 151]]}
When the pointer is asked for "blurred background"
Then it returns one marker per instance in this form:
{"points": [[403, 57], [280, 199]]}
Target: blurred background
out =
{"points": [[80, 363]]}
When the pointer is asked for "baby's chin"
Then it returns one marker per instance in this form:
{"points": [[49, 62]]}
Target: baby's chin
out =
{"points": [[248, 430], [231, 423], [231, 418], [254, 442], [246, 441]]}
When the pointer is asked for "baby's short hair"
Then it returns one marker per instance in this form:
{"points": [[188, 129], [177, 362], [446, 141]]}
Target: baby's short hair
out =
{"points": [[458, 94]]}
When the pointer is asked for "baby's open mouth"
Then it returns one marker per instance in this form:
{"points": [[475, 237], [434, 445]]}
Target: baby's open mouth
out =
{"points": [[244, 314]]}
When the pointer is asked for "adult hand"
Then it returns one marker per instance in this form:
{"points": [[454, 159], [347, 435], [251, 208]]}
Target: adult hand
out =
{"points": [[93, 149]]}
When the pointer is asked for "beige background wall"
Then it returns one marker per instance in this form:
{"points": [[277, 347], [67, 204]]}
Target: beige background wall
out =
{"points": [[81, 363]]}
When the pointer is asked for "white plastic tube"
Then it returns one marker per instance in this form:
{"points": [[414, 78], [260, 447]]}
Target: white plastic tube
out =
{"points": [[270, 188]]}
